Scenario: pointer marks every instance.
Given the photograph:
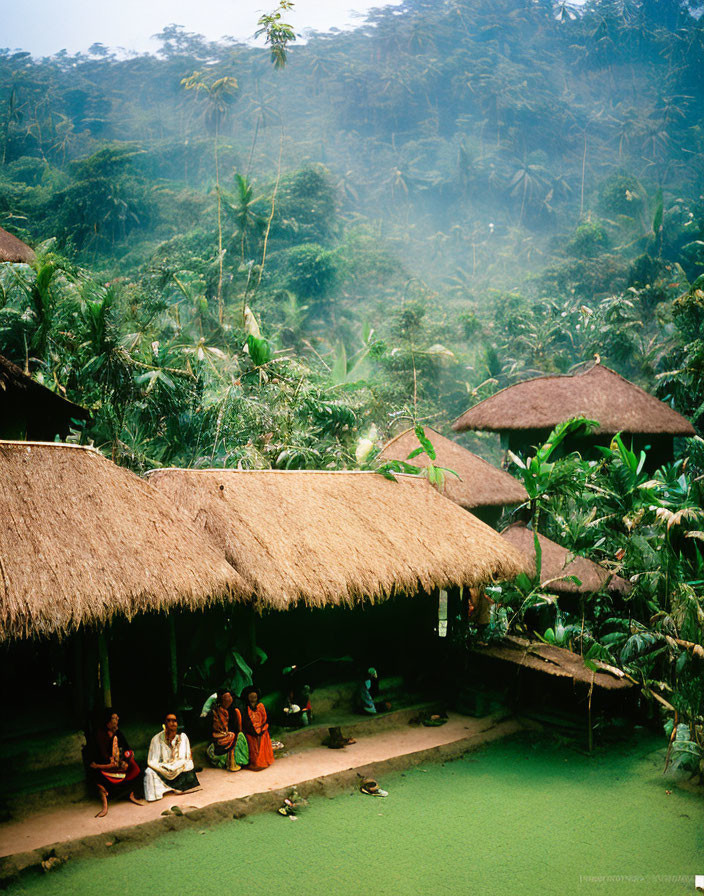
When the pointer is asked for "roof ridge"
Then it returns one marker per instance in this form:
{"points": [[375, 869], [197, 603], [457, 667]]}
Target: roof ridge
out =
{"points": [[26, 443]]}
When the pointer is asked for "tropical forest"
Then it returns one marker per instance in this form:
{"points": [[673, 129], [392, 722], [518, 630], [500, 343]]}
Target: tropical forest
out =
{"points": [[281, 256]]}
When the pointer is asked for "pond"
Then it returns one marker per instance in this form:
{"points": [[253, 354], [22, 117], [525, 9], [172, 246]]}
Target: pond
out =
{"points": [[526, 815]]}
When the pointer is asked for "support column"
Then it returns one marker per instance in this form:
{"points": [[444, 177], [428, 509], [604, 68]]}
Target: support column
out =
{"points": [[104, 661], [173, 656]]}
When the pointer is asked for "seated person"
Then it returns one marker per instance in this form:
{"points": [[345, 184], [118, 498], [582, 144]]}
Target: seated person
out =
{"points": [[296, 710], [227, 747], [113, 767], [256, 729], [170, 763], [367, 690]]}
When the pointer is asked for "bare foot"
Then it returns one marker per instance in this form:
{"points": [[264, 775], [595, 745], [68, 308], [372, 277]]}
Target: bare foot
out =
{"points": [[104, 802], [133, 799]]}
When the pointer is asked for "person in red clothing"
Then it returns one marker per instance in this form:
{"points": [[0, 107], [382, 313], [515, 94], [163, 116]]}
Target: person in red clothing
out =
{"points": [[256, 729], [113, 768]]}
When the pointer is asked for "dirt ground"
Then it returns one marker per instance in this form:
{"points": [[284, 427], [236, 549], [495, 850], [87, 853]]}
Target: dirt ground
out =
{"points": [[72, 829]]}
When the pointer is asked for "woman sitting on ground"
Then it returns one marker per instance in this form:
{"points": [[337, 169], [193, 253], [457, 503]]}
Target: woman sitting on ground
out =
{"points": [[170, 763], [227, 747], [115, 771], [256, 729], [367, 691]]}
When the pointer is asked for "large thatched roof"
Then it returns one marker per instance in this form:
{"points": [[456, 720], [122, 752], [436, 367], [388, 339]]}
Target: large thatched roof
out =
{"points": [[480, 484], [12, 249], [557, 563], [32, 408], [596, 393], [337, 537], [82, 539], [555, 661]]}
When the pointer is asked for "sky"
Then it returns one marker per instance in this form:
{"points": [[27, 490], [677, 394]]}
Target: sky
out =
{"points": [[44, 27]]}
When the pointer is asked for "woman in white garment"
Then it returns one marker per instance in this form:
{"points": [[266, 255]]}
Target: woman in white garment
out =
{"points": [[170, 763]]}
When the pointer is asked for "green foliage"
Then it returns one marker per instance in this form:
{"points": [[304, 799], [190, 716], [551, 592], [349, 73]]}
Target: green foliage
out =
{"points": [[589, 240]]}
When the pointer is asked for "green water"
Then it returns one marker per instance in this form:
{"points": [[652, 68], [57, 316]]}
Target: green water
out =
{"points": [[521, 816]]}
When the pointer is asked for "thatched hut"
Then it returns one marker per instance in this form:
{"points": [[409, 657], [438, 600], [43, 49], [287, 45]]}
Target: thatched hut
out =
{"points": [[526, 412], [29, 410], [83, 540], [330, 538], [13, 249], [481, 487], [558, 565]]}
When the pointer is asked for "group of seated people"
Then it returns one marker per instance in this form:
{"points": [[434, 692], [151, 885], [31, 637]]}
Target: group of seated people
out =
{"points": [[238, 738]]}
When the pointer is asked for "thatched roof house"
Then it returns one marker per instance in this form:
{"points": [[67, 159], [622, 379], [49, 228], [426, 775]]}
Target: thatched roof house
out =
{"points": [[29, 410], [480, 484], [337, 537], [557, 563], [556, 661], [13, 249], [82, 539], [531, 409]]}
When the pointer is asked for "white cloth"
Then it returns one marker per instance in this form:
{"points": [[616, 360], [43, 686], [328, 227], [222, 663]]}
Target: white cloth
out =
{"points": [[167, 760]]}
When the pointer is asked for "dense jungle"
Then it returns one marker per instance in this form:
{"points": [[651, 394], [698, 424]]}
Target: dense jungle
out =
{"points": [[259, 260]]}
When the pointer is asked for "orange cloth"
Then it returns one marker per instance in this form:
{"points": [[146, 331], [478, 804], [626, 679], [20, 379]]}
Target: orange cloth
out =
{"points": [[261, 753]]}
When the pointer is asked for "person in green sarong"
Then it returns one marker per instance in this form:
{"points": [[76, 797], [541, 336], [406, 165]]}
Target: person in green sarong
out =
{"points": [[228, 745]]}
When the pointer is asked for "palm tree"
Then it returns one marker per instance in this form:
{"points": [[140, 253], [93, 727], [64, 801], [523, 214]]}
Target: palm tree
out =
{"points": [[220, 93]]}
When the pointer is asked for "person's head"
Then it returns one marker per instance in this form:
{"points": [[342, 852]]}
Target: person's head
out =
{"points": [[250, 696], [372, 673], [112, 720], [171, 723], [225, 698]]}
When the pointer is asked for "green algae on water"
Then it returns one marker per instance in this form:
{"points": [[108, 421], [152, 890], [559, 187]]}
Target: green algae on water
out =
{"points": [[521, 816]]}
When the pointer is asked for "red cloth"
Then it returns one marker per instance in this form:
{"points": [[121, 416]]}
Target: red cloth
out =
{"points": [[261, 753]]}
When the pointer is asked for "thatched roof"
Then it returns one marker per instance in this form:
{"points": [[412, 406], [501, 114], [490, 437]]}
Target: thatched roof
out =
{"points": [[555, 661], [337, 537], [596, 393], [26, 404], [480, 484], [82, 539], [12, 249], [557, 563]]}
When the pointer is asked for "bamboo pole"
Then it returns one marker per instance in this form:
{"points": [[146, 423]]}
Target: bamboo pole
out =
{"points": [[104, 660]]}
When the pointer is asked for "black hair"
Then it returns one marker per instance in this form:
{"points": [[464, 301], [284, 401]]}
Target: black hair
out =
{"points": [[222, 692], [108, 713], [250, 689], [171, 712]]}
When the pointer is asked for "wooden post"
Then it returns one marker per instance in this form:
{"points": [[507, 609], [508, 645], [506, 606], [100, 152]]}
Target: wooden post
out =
{"points": [[78, 690], [173, 655], [104, 660], [590, 733], [251, 636]]}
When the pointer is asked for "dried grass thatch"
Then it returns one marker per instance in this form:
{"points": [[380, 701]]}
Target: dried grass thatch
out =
{"points": [[596, 393], [28, 406], [82, 539], [337, 537], [480, 484], [13, 249], [556, 661], [557, 563]]}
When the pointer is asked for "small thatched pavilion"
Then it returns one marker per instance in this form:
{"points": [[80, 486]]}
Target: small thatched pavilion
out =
{"points": [[558, 565], [526, 412], [325, 538], [481, 487], [29, 410], [13, 249]]}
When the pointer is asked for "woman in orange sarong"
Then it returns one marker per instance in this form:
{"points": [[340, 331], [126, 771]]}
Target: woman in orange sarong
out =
{"points": [[256, 730]]}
